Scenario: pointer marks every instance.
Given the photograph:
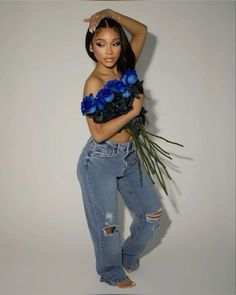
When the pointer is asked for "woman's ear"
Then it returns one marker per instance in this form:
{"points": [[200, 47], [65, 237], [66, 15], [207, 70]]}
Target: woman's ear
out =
{"points": [[91, 48]]}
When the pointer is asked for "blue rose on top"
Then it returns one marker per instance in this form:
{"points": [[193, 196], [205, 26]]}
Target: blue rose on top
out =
{"points": [[129, 77], [105, 94], [88, 105], [120, 87], [100, 103], [111, 84], [126, 93], [116, 86]]}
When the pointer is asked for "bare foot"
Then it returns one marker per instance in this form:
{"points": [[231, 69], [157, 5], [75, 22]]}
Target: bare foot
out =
{"points": [[125, 284]]}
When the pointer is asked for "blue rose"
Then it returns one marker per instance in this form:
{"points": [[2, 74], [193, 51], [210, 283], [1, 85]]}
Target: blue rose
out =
{"points": [[105, 94], [88, 105], [100, 103], [129, 77], [111, 84], [119, 87], [115, 86], [126, 93]]}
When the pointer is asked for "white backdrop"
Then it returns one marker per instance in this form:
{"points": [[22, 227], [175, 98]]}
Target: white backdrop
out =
{"points": [[188, 69]]}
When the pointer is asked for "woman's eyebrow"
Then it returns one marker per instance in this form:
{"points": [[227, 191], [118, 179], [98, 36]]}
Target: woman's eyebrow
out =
{"points": [[100, 39]]}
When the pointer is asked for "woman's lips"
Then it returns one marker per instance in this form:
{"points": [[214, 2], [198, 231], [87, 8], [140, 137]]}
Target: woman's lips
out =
{"points": [[109, 59]]}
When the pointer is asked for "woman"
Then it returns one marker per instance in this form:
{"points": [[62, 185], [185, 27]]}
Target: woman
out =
{"points": [[108, 162]]}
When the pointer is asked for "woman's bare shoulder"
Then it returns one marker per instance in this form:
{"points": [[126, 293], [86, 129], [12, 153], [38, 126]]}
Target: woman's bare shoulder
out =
{"points": [[92, 84]]}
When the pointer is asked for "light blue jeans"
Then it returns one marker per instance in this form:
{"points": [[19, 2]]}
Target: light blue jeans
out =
{"points": [[103, 169]]}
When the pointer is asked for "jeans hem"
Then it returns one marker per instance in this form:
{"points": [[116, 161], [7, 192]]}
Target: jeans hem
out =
{"points": [[130, 261], [114, 276]]}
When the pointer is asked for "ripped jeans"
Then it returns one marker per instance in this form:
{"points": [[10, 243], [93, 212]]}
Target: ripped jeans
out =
{"points": [[103, 169]]}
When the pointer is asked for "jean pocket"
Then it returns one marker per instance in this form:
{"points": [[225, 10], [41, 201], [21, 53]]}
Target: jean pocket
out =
{"points": [[103, 152]]}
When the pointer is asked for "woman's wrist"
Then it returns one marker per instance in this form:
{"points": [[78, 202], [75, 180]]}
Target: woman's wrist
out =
{"points": [[131, 25], [114, 15], [131, 114]]}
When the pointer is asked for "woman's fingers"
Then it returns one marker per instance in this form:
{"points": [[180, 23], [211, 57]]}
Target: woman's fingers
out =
{"points": [[91, 28], [93, 22], [95, 19], [137, 104]]}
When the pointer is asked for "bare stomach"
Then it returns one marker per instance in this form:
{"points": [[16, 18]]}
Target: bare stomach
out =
{"points": [[121, 137]]}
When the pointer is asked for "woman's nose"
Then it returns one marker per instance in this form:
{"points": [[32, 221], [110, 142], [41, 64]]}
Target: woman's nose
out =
{"points": [[109, 50]]}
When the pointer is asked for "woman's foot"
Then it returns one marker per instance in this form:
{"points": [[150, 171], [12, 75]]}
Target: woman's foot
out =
{"points": [[125, 284], [122, 284]]}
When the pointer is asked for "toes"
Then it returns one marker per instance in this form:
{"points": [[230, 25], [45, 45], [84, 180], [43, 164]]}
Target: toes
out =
{"points": [[120, 284], [131, 284], [125, 284]]}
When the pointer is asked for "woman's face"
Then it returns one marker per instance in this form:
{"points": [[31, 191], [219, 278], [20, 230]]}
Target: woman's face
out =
{"points": [[106, 46]]}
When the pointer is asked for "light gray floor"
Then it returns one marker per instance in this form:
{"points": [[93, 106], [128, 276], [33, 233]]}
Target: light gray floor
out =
{"points": [[58, 267], [65, 271], [188, 66]]}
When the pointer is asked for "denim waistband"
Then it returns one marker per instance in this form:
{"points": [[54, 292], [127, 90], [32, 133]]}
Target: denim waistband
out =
{"points": [[124, 146]]}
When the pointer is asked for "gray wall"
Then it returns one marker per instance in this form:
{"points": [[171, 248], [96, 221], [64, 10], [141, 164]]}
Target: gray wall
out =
{"points": [[188, 70]]}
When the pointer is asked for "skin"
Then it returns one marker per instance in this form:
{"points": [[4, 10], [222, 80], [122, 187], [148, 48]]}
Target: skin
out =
{"points": [[107, 48]]}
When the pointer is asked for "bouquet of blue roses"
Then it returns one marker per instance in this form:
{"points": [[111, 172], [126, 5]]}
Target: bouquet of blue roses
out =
{"points": [[115, 98]]}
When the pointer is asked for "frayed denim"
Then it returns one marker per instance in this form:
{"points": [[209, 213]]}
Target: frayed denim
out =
{"points": [[103, 169]]}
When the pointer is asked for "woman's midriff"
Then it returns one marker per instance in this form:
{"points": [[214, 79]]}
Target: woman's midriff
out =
{"points": [[121, 137]]}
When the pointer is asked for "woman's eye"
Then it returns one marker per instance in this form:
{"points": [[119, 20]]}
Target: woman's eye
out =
{"points": [[116, 44], [100, 44]]}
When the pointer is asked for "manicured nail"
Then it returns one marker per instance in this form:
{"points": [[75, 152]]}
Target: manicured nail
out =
{"points": [[90, 30]]}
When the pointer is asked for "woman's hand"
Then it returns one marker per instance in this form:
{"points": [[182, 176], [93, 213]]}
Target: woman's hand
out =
{"points": [[96, 18], [137, 105]]}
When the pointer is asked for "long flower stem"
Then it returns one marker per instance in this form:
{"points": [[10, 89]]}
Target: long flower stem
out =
{"points": [[161, 150], [150, 160], [164, 138], [148, 142]]}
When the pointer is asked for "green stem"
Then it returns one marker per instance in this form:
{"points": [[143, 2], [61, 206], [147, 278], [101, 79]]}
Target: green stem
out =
{"points": [[164, 139], [147, 152], [161, 150], [147, 145], [157, 159]]}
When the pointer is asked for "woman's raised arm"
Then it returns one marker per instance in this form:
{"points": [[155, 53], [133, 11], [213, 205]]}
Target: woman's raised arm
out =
{"points": [[137, 30]]}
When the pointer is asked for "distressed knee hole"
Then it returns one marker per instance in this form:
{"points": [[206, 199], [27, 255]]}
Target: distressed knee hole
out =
{"points": [[155, 216], [110, 229]]}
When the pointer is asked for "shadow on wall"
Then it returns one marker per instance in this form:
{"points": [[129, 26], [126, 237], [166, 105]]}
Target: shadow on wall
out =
{"points": [[142, 67], [158, 235]]}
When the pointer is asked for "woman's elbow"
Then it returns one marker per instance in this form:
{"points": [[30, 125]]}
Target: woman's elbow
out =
{"points": [[144, 29], [97, 137]]}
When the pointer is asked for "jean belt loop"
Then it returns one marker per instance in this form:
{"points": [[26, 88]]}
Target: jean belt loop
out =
{"points": [[129, 146]]}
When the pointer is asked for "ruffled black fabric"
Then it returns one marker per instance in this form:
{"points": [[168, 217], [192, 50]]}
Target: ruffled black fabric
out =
{"points": [[148, 151]]}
